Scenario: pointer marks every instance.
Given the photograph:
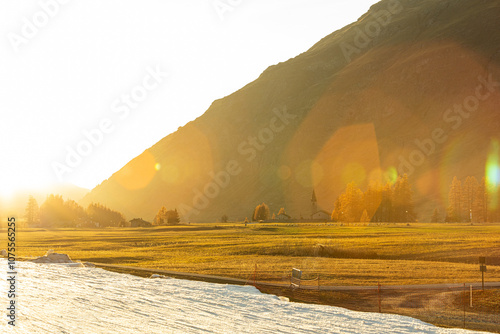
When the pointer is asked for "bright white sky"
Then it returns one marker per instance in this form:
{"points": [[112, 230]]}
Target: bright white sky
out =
{"points": [[66, 75]]}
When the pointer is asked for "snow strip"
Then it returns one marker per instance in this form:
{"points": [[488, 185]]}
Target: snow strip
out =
{"points": [[60, 299]]}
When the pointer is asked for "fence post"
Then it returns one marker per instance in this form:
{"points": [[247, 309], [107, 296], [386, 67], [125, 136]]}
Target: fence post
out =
{"points": [[464, 304], [379, 300], [254, 275], [482, 275], [471, 296]]}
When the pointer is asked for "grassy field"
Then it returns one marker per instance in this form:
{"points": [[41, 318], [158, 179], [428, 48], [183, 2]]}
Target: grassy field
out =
{"points": [[390, 254]]}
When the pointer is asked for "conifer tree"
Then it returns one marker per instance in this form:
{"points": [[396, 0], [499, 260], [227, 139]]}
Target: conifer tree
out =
{"points": [[403, 201], [380, 203], [173, 217], [364, 217], [435, 216], [261, 212], [32, 214], [55, 212], [385, 210], [161, 216], [372, 198], [454, 213], [351, 203], [469, 190], [480, 206], [101, 214], [336, 214]]}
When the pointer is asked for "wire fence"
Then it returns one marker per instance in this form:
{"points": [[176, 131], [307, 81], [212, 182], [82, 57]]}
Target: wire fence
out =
{"points": [[466, 306], [447, 305]]}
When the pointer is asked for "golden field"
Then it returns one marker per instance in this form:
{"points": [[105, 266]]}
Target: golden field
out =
{"points": [[359, 254]]}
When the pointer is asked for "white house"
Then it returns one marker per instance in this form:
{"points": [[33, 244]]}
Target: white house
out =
{"points": [[321, 215], [315, 213]]}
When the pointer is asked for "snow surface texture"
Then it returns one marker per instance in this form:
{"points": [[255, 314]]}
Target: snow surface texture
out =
{"points": [[56, 298], [52, 257]]}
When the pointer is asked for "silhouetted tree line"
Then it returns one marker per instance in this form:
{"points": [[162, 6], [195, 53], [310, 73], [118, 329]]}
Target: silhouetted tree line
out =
{"points": [[472, 201], [32, 213], [104, 216], [379, 203], [167, 217], [55, 213]]}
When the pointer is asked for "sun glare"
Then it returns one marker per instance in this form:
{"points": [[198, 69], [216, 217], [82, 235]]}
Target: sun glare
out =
{"points": [[6, 193], [493, 165], [493, 172], [8, 187]]}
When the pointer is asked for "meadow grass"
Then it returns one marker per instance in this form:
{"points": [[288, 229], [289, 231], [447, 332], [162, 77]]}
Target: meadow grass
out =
{"points": [[358, 254]]}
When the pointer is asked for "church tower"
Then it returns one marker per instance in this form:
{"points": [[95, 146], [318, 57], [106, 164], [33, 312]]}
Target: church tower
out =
{"points": [[314, 204]]}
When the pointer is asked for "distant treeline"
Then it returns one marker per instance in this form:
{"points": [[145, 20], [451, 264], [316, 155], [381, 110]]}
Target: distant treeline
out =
{"points": [[379, 203], [473, 201], [390, 202], [56, 213], [468, 201], [166, 217]]}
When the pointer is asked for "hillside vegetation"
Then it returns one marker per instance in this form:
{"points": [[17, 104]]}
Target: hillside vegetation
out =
{"points": [[411, 87]]}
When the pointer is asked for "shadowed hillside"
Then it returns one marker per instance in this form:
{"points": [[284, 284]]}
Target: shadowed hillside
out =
{"points": [[411, 87]]}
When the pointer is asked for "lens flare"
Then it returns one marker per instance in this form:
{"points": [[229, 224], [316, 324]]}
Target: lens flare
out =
{"points": [[170, 174], [354, 172], [138, 173], [493, 173], [309, 173], [391, 175], [284, 172]]}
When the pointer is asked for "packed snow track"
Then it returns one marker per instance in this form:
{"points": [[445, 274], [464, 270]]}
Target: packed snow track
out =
{"points": [[56, 298]]}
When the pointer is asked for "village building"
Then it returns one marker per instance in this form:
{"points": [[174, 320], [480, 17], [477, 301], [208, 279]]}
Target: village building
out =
{"points": [[283, 217], [321, 215], [318, 214], [139, 222]]}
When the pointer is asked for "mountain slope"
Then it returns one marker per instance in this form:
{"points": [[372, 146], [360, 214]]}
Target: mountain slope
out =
{"points": [[377, 97]]}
